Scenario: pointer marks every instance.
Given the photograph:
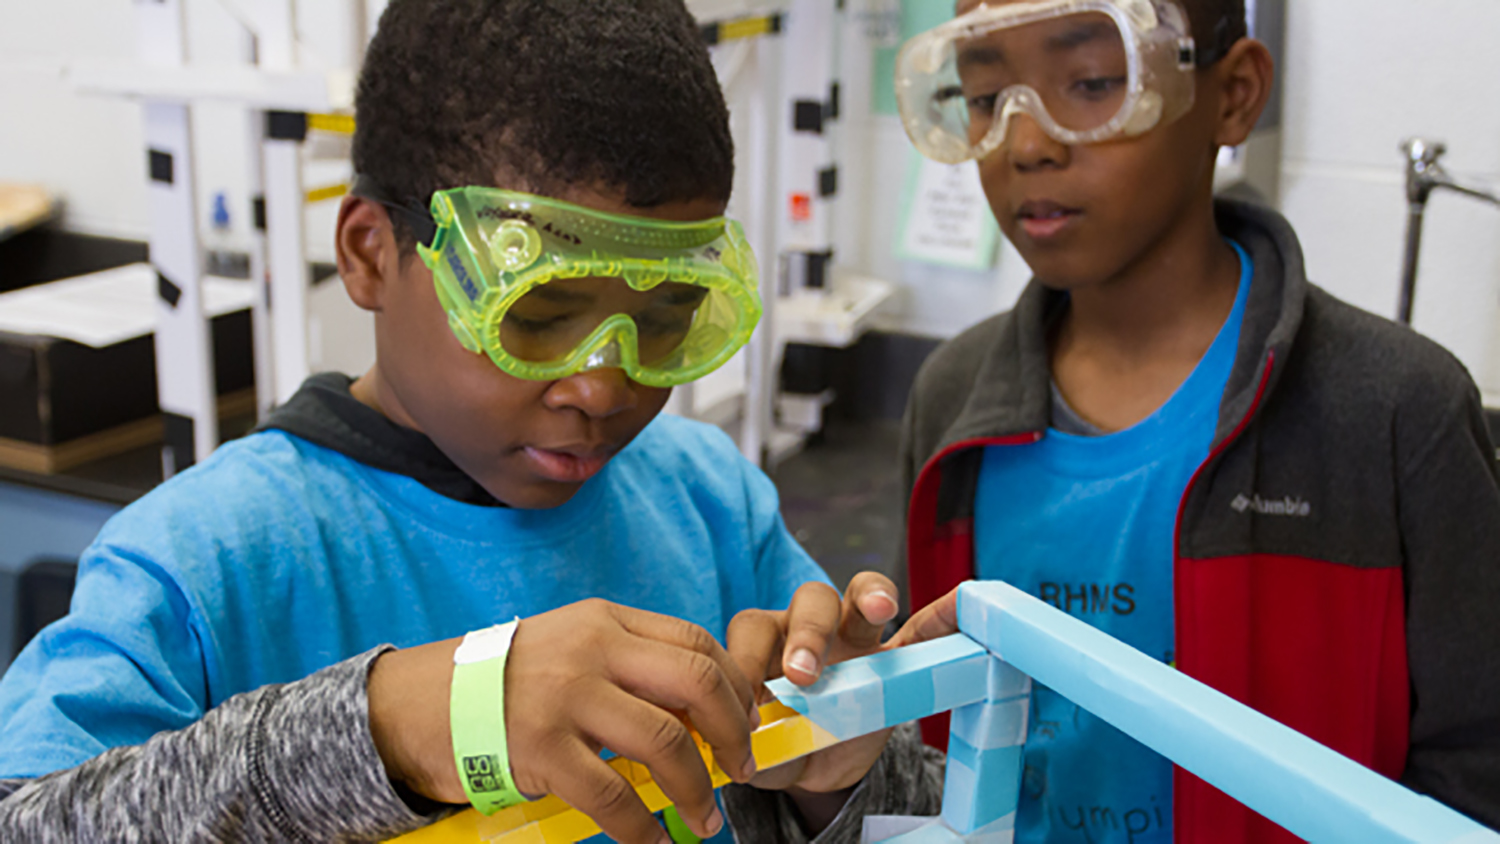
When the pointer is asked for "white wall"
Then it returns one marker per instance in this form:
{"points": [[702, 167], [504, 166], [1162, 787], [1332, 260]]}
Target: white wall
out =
{"points": [[89, 150], [1361, 76]]}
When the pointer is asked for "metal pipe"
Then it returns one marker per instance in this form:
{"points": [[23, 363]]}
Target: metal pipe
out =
{"points": [[1424, 174], [1414, 214]]}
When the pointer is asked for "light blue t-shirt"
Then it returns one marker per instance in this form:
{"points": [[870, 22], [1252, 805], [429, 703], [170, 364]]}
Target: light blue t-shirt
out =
{"points": [[1087, 524], [276, 558]]}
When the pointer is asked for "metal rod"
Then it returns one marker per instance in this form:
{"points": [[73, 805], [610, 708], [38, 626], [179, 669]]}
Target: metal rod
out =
{"points": [[1414, 214], [1424, 174], [1472, 193]]}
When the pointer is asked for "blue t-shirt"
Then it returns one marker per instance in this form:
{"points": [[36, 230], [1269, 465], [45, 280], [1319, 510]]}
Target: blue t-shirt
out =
{"points": [[277, 558], [1087, 524]]}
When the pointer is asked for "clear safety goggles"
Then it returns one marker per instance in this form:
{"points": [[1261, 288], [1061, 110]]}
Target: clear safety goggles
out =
{"points": [[1085, 70], [548, 289]]}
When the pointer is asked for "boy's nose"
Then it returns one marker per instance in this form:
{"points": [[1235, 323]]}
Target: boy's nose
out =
{"points": [[598, 393], [1029, 147]]}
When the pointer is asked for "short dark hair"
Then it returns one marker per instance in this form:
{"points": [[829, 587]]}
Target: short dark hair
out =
{"points": [[1217, 25], [542, 95]]}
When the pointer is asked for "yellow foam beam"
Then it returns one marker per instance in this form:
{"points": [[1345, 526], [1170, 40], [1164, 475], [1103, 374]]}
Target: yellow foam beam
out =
{"points": [[783, 736]]}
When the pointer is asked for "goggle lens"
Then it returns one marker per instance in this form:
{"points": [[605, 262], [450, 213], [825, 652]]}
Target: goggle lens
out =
{"points": [[1077, 64], [553, 319]]}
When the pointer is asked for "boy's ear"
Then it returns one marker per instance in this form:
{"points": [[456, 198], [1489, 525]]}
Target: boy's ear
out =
{"points": [[1244, 78], [367, 252]]}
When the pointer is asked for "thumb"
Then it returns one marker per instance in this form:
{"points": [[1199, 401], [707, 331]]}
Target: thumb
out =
{"points": [[934, 621]]}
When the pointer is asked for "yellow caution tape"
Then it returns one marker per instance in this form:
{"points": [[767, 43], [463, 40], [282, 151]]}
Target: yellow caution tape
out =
{"points": [[746, 28], [330, 192], [342, 124]]}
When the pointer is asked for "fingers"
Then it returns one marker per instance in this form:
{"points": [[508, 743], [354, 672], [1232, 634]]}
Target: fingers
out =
{"points": [[660, 741], [869, 602], [587, 784], [754, 641], [689, 636], [690, 682], [934, 621], [811, 621]]}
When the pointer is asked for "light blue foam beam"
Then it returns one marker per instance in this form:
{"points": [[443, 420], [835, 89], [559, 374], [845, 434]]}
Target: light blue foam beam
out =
{"points": [[986, 742], [1312, 791], [892, 687]]}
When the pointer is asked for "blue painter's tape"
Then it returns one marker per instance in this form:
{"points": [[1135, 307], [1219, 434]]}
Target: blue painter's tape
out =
{"points": [[889, 688], [929, 833], [847, 700], [852, 705], [1312, 791], [961, 751], [1000, 784], [908, 697], [1006, 683], [961, 682], [990, 725], [959, 793], [987, 785], [788, 694]]}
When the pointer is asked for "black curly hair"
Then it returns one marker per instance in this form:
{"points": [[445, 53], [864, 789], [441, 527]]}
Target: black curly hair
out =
{"points": [[541, 95], [1217, 25]]}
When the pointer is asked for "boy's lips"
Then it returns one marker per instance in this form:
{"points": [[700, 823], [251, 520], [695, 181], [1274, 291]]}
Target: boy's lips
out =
{"points": [[1044, 219], [568, 464]]}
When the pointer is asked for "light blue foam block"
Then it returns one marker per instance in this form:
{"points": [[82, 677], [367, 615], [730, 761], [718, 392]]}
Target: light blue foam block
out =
{"points": [[1312, 791], [981, 786], [986, 725], [924, 831], [893, 830], [891, 687], [985, 745]]}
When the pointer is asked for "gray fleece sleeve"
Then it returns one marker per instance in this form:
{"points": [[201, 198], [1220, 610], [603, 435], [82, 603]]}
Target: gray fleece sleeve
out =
{"points": [[907, 779], [290, 762], [1450, 530]]}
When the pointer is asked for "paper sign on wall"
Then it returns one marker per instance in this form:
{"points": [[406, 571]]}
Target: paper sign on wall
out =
{"points": [[947, 218]]}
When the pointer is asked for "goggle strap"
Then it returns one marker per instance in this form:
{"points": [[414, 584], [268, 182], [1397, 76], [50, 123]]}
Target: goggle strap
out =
{"points": [[418, 219], [1226, 35]]}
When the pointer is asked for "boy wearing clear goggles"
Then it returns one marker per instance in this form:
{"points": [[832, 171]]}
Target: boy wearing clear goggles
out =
{"points": [[1178, 438], [544, 262]]}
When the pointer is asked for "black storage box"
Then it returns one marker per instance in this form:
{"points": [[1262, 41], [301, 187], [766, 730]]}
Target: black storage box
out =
{"points": [[64, 403]]}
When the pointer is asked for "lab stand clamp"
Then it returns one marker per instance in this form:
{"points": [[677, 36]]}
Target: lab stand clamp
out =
{"points": [[1424, 175], [983, 675]]}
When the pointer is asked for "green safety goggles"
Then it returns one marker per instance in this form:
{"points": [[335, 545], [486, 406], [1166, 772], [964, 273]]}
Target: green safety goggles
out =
{"points": [[548, 289]]}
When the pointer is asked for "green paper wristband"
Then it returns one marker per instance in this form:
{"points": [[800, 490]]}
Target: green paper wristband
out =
{"points": [[476, 711]]}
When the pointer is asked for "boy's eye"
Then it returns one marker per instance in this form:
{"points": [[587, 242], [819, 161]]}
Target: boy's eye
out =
{"points": [[983, 104], [947, 93], [666, 319], [1098, 87], [534, 325], [664, 324]]}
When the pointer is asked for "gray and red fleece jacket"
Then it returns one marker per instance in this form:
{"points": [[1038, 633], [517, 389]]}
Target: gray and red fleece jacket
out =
{"points": [[1337, 560]]}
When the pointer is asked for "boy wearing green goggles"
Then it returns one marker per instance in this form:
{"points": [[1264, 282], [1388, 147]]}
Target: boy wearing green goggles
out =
{"points": [[542, 266], [548, 289]]}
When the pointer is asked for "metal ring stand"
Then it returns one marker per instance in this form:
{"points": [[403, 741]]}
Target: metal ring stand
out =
{"points": [[1424, 174]]}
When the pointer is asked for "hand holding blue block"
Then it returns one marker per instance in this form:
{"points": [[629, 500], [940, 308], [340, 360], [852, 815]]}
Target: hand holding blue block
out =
{"points": [[984, 673]]}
